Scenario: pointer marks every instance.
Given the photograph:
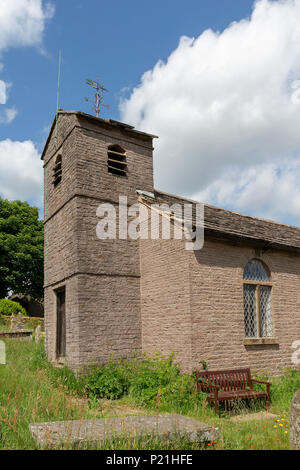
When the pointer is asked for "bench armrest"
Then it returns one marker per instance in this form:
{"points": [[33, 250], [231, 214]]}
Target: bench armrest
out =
{"points": [[261, 382], [268, 385]]}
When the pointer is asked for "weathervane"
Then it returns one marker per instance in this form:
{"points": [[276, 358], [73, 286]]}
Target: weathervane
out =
{"points": [[99, 96]]}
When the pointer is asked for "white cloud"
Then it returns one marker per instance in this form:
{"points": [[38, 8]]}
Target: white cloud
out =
{"points": [[21, 173], [268, 190], [2, 92], [8, 115], [22, 22], [226, 108]]}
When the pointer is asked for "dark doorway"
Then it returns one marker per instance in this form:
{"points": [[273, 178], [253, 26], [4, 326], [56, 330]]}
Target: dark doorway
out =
{"points": [[61, 323]]}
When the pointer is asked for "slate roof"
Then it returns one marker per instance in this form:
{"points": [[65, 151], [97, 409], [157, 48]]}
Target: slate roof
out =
{"points": [[240, 229]]}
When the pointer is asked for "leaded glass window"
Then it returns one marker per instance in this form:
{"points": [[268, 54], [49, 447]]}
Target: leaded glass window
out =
{"points": [[257, 301], [255, 271], [250, 311]]}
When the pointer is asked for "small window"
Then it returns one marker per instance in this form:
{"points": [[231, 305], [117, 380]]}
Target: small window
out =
{"points": [[116, 160], [257, 300], [57, 172]]}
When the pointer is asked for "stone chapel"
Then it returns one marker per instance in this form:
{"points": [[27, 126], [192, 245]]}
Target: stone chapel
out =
{"points": [[234, 303]]}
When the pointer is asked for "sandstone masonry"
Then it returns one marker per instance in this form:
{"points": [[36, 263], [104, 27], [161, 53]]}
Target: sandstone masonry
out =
{"points": [[130, 296]]}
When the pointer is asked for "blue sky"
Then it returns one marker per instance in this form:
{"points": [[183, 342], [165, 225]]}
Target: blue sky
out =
{"points": [[229, 96], [116, 41]]}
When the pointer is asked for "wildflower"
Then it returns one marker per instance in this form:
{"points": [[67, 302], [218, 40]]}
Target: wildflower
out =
{"points": [[275, 426], [286, 432], [277, 439], [280, 425]]}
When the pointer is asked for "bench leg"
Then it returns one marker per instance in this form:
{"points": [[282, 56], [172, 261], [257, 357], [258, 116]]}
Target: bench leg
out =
{"points": [[217, 407], [267, 403]]}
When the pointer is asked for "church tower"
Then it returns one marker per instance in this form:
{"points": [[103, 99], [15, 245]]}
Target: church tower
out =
{"points": [[92, 286]]}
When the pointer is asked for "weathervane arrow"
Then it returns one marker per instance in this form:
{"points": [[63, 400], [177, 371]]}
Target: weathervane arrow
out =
{"points": [[99, 96], [92, 83]]}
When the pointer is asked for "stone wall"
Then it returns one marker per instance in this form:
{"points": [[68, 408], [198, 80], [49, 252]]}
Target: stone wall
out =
{"points": [[192, 302], [109, 317], [165, 300], [218, 308]]}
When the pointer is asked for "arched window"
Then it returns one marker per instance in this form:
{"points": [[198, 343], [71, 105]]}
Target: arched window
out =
{"points": [[57, 171], [116, 160], [257, 300]]}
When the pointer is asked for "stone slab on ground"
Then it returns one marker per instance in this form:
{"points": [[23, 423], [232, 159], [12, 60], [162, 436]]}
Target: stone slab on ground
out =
{"points": [[97, 430], [24, 335], [253, 416]]}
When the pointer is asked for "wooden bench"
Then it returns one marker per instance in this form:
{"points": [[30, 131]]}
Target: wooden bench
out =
{"points": [[227, 385]]}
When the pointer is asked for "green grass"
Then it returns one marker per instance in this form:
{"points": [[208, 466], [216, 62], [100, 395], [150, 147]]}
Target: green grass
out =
{"points": [[27, 394], [31, 390]]}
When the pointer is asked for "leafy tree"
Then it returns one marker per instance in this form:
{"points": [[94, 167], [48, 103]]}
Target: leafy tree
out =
{"points": [[21, 249], [9, 307]]}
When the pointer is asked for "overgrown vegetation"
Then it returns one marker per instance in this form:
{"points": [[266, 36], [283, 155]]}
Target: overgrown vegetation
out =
{"points": [[150, 382], [283, 388], [31, 390]]}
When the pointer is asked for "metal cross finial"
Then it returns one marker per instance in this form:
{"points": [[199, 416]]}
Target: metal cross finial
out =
{"points": [[99, 96]]}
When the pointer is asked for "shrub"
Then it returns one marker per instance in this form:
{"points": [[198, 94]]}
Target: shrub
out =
{"points": [[9, 307], [150, 375], [107, 381], [151, 382]]}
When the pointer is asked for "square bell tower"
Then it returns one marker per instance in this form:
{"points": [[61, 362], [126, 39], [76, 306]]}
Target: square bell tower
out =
{"points": [[92, 286]]}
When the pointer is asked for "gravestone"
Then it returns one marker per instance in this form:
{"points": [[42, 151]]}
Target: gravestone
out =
{"points": [[2, 353], [17, 330], [295, 422], [37, 334], [19, 325], [12, 322]]}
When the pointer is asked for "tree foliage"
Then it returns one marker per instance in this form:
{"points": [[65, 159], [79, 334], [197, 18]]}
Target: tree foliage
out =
{"points": [[9, 307], [21, 249]]}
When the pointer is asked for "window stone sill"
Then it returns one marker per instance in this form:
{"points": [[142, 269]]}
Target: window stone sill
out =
{"points": [[259, 341]]}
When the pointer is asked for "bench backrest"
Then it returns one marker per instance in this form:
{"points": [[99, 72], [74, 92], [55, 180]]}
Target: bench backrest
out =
{"points": [[227, 380]]}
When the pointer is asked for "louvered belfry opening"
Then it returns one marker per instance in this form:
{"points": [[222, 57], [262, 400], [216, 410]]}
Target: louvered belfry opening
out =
{"points": [[116, 160], [57, 172]]}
